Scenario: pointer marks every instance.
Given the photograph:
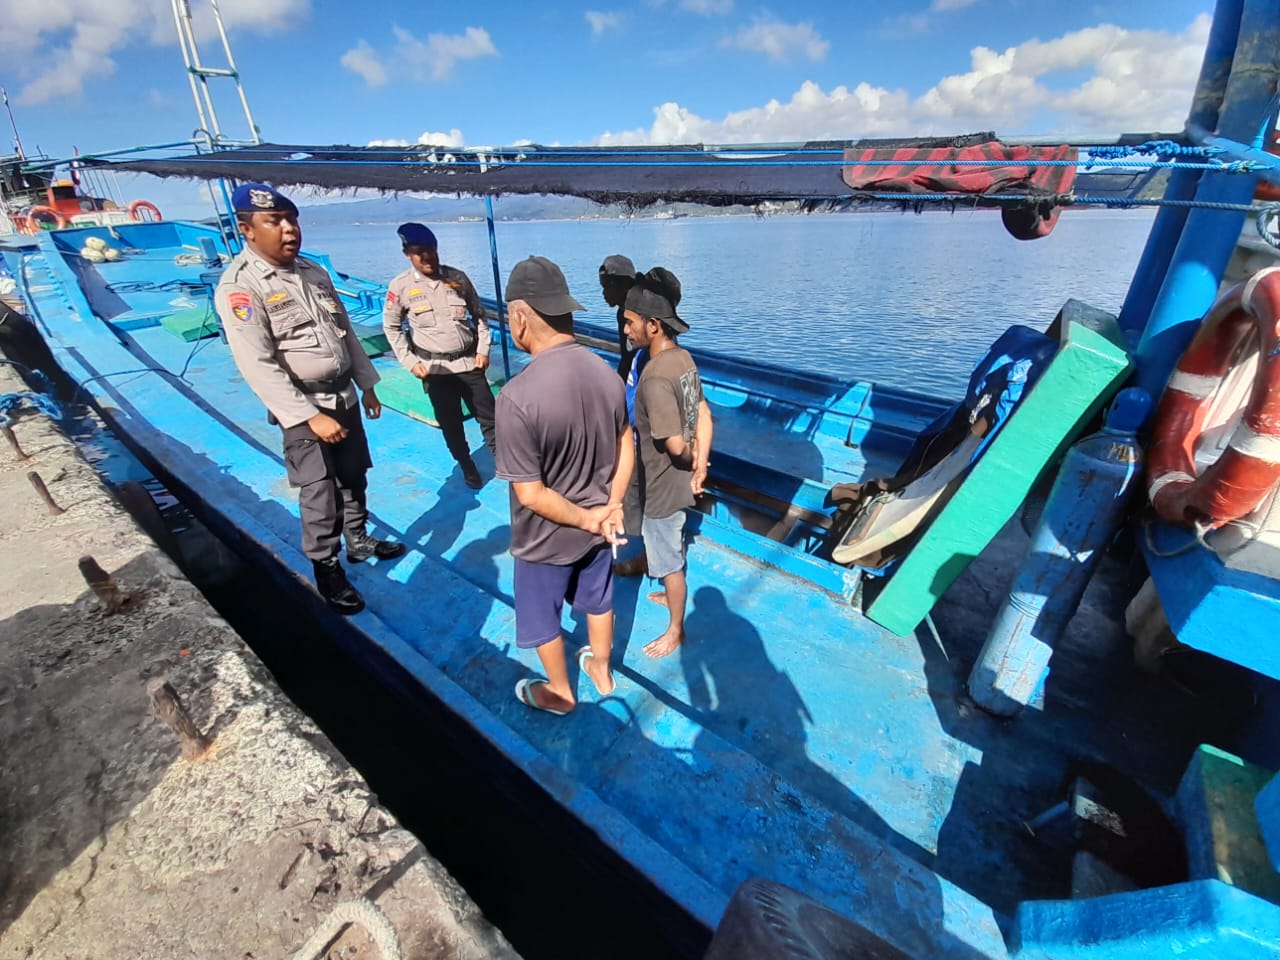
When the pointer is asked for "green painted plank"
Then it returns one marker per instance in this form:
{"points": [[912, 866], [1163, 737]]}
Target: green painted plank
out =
{"points": [[375, 344], [1216, 812], [194, 323], [400, 390], [1090, 365]]}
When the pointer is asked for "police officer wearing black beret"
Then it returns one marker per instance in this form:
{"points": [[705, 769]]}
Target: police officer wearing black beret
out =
{"points": [[293, 343], [447, 342]]}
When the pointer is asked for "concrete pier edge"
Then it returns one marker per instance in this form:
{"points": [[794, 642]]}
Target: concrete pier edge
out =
{"points": [[267, 844]]}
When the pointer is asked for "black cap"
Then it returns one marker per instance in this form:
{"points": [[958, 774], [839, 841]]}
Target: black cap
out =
{"points": [[617, 265], [541, 284], [416, 235], [656, 294], [261, 198]]}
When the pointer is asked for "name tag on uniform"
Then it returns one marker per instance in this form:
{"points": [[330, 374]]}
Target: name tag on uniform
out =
{"points": [[278, 303]]}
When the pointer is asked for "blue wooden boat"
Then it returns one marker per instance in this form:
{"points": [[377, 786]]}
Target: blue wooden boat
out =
{"points": [[813, 732]]}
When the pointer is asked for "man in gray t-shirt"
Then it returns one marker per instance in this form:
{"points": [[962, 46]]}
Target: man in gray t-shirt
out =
{"points": [[564, 443], [673, 430]]}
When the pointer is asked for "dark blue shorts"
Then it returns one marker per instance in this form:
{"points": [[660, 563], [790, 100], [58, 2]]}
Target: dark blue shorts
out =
{"points": [[542, 588]]}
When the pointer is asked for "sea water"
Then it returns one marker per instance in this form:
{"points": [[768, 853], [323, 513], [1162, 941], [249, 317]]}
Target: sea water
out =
{"points": [[909, 300]]}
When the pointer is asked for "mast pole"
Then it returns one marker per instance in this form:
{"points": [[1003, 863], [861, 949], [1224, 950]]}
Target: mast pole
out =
{"points": [[1170, 221], [497, 286], [1209, 236], [17, 139]]}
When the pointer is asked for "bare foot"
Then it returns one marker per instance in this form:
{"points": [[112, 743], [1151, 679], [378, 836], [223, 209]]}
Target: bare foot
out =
{"points": [[597, 670], [659, 597], [664, 645]]}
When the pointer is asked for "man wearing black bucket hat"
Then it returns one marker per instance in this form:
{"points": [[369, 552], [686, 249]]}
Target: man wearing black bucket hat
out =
{"points": [[673, 435], [293, 343], [447, 345], [565, 445]]}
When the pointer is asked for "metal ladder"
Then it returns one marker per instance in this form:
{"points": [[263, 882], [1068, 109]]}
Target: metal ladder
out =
{"points": [[199, 75]]}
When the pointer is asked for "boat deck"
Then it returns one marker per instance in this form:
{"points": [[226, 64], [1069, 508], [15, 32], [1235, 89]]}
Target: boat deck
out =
{"points": [[790, 738]]}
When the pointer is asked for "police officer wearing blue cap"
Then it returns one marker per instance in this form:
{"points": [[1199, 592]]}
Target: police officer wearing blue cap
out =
{"points": [[447, 342], [293, 343]]}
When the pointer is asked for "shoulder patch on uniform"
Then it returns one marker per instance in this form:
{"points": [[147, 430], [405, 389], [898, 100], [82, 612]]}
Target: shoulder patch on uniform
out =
{"points": [[241, 305], [392, 299]]}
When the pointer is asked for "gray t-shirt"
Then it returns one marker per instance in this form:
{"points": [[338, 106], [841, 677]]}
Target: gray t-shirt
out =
{"points": [[559, 421], [667, 401]]}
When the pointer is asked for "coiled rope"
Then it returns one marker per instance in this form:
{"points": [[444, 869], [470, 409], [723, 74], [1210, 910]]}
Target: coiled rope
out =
{"points": [[339, 918]]}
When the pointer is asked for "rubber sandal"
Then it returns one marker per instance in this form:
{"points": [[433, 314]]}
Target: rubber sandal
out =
{"points": [[582, 666], [524, 694]]}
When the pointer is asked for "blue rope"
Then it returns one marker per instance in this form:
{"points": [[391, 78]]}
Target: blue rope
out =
{"points": [[1160, 148], [12, 401], [1268, 224]]}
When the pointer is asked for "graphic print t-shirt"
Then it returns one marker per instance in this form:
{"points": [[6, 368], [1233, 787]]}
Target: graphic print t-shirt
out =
{"points": [[667, 402]]}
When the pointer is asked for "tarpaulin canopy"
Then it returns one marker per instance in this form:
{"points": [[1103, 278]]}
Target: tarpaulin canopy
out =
{"points": [[812, 172]]}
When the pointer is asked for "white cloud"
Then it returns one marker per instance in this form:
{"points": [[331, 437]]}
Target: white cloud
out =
{"points": [[603, 21], [435, 57], [779, 41], [453, 138], [361, 59], [1120, 81], [939, 6], [53, 48], [707, 8]]}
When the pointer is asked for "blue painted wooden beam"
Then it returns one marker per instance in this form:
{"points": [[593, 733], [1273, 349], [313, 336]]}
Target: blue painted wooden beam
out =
{"points": [[1209, 236]]}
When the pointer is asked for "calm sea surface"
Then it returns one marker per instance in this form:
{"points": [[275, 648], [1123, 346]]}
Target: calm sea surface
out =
{"points": [[904, 299]]}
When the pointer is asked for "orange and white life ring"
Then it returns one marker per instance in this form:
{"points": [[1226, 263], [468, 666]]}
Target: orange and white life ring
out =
{"points": [[1249, 468], [59, 221], [144, 205]]}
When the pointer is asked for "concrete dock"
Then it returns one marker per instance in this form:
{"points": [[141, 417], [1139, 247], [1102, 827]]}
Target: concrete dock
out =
{"points": [[113, 843]]}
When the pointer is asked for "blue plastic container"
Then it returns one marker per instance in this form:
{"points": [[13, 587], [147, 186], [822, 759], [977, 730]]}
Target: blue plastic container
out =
{"points": [[1084, 510]]}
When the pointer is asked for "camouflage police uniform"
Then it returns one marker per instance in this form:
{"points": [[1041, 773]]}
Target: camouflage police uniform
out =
{"points": [[441, 337], [292, 340]]}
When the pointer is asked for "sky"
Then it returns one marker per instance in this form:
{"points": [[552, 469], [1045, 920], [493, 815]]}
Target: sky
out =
{"points": [[104, 74]]}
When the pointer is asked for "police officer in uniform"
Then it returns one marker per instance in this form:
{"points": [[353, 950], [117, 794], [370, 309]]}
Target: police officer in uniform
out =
{"points": [[292, 340], [447, 344]]}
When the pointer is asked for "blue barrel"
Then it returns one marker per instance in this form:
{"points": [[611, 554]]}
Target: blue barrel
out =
{"points": [[1084, 510]]}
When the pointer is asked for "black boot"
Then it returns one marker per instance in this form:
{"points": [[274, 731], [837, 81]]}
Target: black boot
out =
{"points": [[332, 582], [471, 475], [361, 546]]}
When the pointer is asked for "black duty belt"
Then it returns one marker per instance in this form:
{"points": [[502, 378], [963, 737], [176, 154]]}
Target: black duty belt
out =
{"points": [[336, 385], [466, 351]]}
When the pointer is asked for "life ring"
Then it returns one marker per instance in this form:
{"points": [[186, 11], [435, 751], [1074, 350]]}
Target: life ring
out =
{"points": [[144, 205], [1250, 466], [59, 221]]}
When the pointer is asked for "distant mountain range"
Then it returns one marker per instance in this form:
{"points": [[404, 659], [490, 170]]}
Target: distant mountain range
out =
{"points": [[397, 209]]}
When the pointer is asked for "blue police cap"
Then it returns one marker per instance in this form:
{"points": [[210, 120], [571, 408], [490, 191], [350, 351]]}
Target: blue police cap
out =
{"points": [[416, 235], [260, 198]]}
